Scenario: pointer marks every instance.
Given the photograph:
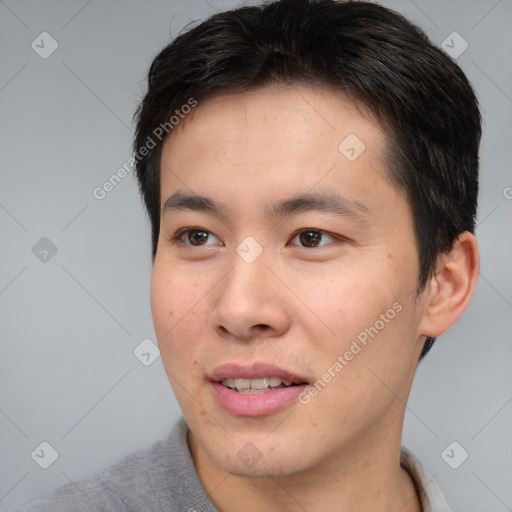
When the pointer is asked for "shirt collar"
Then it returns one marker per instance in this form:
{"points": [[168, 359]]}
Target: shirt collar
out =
{"points": [[431, 498]]}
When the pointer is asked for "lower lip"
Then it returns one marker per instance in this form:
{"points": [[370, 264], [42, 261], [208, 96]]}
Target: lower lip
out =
{"points": [[255, 404]]}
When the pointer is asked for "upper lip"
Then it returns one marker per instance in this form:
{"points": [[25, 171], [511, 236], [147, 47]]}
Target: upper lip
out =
{"points": [[255, 370]]}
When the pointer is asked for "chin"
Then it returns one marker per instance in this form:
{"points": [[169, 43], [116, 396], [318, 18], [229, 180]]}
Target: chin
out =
{"points": [[266, 466], [259, 458]]}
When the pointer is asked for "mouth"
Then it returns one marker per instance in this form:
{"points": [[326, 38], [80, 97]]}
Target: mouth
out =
{"points": [[258, 389], [256, 386], [257, 376]]}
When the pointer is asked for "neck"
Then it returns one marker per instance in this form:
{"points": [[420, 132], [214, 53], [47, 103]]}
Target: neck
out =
{"points": [[366, 476]]}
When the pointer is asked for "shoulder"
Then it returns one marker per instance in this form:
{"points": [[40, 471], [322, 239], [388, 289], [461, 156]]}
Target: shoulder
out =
{"points": [[141, 481], [431, 497]]}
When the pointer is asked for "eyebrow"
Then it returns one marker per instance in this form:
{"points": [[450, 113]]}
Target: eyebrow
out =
{"points": [[308, 202]]}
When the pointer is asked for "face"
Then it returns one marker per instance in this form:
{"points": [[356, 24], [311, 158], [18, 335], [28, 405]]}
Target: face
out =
{"points": [[284, 284]]}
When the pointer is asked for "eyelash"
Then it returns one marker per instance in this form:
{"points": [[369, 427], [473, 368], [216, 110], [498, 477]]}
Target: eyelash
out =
{"points": [[184, 231]]}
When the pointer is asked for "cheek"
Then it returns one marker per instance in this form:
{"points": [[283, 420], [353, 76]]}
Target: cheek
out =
{"points": [[175, 304], [343, 305], [177, 300], [366, 311], [163, 300]]}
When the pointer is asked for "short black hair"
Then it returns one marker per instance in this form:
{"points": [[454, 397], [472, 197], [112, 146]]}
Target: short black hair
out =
{"points": [[373, 55]]}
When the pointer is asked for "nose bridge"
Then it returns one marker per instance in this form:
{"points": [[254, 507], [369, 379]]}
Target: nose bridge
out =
{"points": [[250, 250], [249, 274]]}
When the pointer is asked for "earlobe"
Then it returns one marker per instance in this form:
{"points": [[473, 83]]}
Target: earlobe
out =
{"points": [[452, 286]]}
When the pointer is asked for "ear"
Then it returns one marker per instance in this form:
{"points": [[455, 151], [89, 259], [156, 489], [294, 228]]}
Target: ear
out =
{"points": [[452, 286]]}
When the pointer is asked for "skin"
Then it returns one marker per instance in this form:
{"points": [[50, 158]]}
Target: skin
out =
{"points": [[296, 306]]}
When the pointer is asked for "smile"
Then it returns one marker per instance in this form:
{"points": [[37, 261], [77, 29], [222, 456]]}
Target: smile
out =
{"points": [[252, 386], [255, 389]]}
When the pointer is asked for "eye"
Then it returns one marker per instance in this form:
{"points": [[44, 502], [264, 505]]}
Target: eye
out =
{"points": [[195, 237], [312, 237], [199, 237]]}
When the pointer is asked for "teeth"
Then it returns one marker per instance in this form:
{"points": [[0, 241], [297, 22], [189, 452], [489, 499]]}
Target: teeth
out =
{"points": [[259, 383], [255, 385], [229, 383]]}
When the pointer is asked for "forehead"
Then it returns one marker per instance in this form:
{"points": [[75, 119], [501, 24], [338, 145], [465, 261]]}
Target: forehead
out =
{"points": [[276, 139], [293, 113]]}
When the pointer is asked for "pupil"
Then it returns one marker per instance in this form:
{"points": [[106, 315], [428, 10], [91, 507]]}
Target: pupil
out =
{"points": [[309, 238], [197, 236]]}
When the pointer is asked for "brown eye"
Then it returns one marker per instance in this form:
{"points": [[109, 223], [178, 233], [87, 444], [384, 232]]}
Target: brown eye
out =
{"points": [[194, 237], [312, 237], [197, 237]]}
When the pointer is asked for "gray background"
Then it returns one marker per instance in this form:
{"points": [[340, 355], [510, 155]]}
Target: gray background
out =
{"points": [[70, 324]]}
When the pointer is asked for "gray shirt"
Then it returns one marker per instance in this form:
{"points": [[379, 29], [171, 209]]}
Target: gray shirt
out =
{"points": [[163, 479]]}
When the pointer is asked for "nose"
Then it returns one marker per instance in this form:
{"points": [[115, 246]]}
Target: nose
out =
{"points": [[251, 302]]}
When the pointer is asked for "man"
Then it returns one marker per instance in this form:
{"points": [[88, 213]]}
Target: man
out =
{"points": [[310, 169]]}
